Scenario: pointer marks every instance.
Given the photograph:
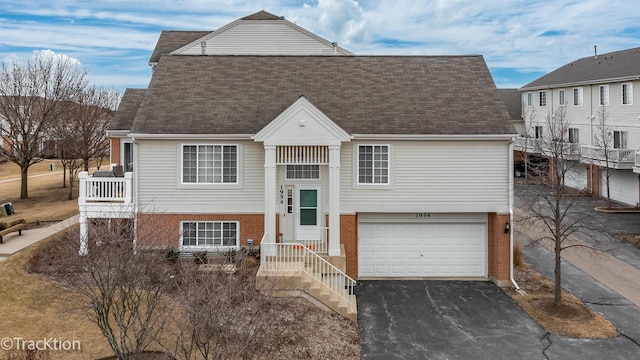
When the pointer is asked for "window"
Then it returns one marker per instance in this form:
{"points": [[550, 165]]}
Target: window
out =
{"points": [[128, 157], [561, 101], [303, 171], [529, 99], [542, 95], [209, 233], [577, 96], [538, 132], [604, 95], [619, 139], [373, 164], [627, 94], [210, 164], [573, 136]]}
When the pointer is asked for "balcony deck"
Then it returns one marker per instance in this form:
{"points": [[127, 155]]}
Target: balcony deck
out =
{"points": [[621, 159], [106, 197]]}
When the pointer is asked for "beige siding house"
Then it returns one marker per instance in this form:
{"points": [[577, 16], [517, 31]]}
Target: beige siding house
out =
{"points": [[382, 166]]}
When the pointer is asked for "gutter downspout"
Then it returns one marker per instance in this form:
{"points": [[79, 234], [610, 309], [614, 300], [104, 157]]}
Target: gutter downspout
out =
{"points": [[511, 193]]}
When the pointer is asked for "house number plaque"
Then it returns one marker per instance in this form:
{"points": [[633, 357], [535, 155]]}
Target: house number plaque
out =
{"points": [[423, 215]]}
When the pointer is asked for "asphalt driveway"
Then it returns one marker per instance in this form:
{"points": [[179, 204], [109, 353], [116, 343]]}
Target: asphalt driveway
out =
{"points": [[416, 319]]}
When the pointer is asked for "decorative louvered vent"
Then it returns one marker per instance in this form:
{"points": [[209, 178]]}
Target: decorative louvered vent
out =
{"points": [[302, 155]]}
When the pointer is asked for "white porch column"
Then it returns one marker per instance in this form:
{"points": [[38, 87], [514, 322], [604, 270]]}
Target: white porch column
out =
{"points": [[84, 234], [269, 198], [334, 200]]}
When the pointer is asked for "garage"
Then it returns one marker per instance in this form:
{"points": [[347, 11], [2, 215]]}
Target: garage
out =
{"points": [[427, 245]]}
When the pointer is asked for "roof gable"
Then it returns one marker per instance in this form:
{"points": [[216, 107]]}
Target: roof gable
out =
{"points": [[259, 34], [614, 66], [302, 123]]}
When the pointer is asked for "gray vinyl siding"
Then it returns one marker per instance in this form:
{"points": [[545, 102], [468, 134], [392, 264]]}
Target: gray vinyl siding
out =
{"points": [[261, 38], [433, 176], [160, 190]]}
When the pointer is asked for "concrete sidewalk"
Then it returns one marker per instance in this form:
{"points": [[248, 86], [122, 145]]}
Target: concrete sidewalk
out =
{"points": [[608, 269], [14, 242]]}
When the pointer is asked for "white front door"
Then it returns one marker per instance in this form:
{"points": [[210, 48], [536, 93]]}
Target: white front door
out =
{"points": [[307, 212]]}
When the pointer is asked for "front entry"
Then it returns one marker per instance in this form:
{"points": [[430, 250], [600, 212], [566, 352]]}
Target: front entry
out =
{"points": [[301, 213]]}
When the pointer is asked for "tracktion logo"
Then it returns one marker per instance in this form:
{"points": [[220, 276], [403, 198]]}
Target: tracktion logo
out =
{"points": [[51, 344]]}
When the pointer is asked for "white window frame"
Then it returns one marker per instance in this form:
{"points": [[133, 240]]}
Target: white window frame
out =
{"points": [[213, 246], [620, 138], [626, 94], [356, 167], [573, 136], [233, 185], [529, 99], [561, 97], [542, 98], [579, 99], [306, 169], [538, 132], [603, 95], [123, 155]]}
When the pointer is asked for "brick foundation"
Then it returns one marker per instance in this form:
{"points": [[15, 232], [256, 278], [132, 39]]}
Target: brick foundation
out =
{"points": [[499, 247], [593, 179], [161, 230], [349, 239]]}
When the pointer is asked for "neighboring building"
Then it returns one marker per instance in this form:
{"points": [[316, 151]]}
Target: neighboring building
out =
{"points": [[585, 88], [376, 161]]}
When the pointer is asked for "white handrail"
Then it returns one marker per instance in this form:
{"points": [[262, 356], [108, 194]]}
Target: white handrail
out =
{"points": [[97, 189], [297, 257]]}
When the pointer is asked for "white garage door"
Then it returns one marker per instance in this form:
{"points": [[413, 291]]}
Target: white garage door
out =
{"points": [[422, 250]]}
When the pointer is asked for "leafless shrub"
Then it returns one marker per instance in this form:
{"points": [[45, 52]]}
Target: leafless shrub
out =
{"points": [[26, 354]]}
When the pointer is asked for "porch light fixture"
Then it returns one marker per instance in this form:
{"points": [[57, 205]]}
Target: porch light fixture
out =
{"points": [[506, 227]]}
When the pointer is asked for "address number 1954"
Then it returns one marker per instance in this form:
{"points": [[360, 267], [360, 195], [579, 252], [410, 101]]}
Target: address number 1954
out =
{"points": [[423, 215]]}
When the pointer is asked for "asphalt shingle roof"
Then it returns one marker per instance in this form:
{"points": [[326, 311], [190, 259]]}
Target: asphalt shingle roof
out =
{"points": [[446, 95], [127, 109], [171, 40], [513, 101], [610, 66]]}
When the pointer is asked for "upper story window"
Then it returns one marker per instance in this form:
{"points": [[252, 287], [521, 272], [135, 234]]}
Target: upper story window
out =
{"points": [[574, 137], [542, 95], [537, 132], [577, 97], [303, 171], [561, 100], [627, 94], [529, 99], [127, 156], [604, 95], [210, 164], [619, 139], [209, 234], [373, 164]]}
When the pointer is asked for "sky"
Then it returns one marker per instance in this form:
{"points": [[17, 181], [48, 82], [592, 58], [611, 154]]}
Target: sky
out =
{"points": [[520, 40]]}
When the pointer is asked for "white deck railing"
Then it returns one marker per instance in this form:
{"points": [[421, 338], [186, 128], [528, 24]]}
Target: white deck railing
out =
{"points": [[105, 189], [321, 245], [288, 257], [528, 144], [618, 158], [637, 162]]}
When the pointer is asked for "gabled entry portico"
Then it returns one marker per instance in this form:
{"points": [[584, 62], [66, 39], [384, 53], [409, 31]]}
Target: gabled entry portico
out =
{"points": [[302, 175]]}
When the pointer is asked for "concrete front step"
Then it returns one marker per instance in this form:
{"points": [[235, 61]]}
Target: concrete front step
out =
{"points": [[300, 284]]}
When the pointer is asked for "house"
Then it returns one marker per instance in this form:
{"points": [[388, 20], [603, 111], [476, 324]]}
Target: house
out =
{"points": [[385, 166], [596, 95]]}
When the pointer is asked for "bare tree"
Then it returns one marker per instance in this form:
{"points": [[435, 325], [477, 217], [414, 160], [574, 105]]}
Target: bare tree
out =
{"points": [[604, 141], [223, 316], [33, 95], [552, 204], [82, 136], [121, 290]]}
